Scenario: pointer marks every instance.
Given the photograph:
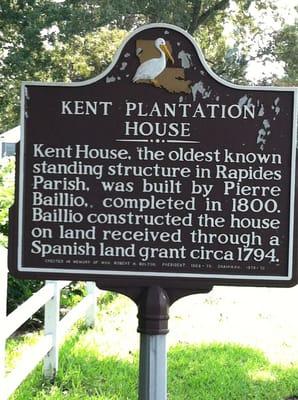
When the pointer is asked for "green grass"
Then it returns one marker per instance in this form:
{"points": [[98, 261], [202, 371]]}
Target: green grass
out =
{"points": [[227, 372], [16, 346], [207, 372]]}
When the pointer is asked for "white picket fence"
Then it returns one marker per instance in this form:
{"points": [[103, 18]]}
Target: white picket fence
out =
{"points": [[47, 348]]}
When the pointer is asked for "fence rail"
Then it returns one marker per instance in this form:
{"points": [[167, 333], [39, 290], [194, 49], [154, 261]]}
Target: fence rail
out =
{"points": [[47, 348]]}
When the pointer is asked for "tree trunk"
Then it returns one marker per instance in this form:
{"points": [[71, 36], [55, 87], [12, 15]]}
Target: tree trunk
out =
{"points": [[199, 18]]}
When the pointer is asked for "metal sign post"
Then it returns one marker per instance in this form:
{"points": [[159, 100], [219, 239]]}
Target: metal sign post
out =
{"points": [[153, 304], [153, 327], [153, 367]]}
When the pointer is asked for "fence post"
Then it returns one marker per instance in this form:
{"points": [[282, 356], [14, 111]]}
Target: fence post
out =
{"points": [[52, 317], [90, 317], [3, 299]]}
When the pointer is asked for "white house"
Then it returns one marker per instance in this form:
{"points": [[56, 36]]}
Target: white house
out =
{"points": [[8, 142]]}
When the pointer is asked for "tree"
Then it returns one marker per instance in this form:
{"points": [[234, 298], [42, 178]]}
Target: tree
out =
{"points": [[6, 195], [286, 50], [28, 30], [84, 56]]}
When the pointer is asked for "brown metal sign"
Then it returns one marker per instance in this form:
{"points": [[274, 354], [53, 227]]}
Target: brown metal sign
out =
{"points": [[157, 170]]}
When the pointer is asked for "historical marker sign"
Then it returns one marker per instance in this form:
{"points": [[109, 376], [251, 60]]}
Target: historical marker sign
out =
{"points": [[156, 170]]}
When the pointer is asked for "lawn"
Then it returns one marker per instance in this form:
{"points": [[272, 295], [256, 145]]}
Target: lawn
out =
{"points": [[92, 366]]}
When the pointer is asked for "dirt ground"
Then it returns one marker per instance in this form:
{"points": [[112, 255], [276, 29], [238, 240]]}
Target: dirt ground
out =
{"points": [[264, 318]]}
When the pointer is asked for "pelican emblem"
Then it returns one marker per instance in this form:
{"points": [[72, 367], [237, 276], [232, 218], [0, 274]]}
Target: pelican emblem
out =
{"points": [[151, 69]]}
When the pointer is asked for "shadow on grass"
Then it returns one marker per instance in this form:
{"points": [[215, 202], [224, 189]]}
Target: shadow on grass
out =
{"points": [[207, 372]]}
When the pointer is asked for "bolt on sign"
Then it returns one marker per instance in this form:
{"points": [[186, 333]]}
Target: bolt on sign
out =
{"points": [[156, 170]]}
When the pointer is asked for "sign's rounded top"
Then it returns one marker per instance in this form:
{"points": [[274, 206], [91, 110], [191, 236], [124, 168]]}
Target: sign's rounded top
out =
{"points": [[164, 56], [154, 43], [162, 50]]}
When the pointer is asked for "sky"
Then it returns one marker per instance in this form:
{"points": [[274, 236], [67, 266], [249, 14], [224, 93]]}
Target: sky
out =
{"points": [[287, 9]]}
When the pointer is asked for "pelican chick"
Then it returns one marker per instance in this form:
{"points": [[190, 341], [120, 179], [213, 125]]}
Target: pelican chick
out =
{"points": [[150, 69]]}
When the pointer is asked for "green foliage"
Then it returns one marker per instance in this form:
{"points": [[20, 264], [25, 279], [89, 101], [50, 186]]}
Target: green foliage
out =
{"points": [[7, 166], [72, 294], [18, 292], [286, 48], [228, 63], [21, 45], [107, 298], [21, 290], [84, 57]]}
